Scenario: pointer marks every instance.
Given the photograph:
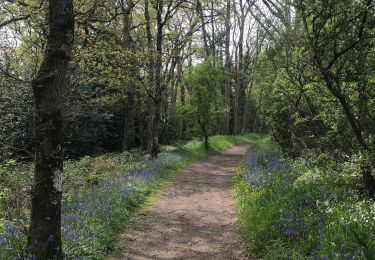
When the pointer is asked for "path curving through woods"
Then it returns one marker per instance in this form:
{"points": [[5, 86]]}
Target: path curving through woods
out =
{"points": [[194, 218]]}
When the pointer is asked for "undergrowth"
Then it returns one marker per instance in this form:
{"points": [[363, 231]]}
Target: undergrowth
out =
{"points": [[305, 208], [99, 195]]}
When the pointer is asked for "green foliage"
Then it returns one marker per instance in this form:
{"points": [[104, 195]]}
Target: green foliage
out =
{"points": [[296, 102], [206, 102], [310, 208], [15, 121]]}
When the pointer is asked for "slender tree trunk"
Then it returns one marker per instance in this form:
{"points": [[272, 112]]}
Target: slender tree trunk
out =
{"points": [[206, 145], [44, 239], [236, 99], [205, 136], [213, 40], [183, 102], [139, 122], [227, 89], [151, 77], [129, 134], [368, 178], [246, 114], [241, 95], [204, 30]]}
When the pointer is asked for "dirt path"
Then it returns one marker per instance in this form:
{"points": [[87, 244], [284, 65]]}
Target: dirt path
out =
{"points": [[194, 217]]}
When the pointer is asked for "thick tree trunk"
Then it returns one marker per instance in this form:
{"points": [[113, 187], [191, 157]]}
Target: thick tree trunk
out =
{"points": [[158, 82], [129, 101], [44, 239]]}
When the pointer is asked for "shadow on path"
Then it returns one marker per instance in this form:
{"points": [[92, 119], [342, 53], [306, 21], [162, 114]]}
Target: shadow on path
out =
{"points": [[194, 218]]}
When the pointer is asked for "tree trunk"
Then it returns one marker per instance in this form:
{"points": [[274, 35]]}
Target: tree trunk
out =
{"points": [[246, 114], [129, 102], [44, 239], [183, 102], [151, 77], [227, 89], [204, 30], [158, 82], [205, 136], [213, 40], [129, 134], [240, 105], [334, 87], [368, 179], [236, 96], [206, 145]]}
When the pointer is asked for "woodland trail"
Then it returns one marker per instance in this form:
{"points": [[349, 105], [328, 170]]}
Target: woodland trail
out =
{"points": [[193, 218]]}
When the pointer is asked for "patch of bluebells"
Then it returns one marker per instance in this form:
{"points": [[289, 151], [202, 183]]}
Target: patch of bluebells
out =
{"points": [[87, 213], [302, 216], [262, 168], [291, 233], [11, 239]]}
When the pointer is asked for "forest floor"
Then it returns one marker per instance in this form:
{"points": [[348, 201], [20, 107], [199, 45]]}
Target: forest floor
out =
{"points": [[193, 218]]}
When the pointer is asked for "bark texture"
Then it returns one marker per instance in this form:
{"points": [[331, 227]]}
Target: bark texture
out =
{"points": [[159, 89], [44, 239]]}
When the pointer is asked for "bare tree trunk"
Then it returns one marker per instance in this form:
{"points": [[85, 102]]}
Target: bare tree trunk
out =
{"points": [[175, 84], [183, 102], [246, 114], [213, 40], [129, 134], [205, 136], [158, 81], [151, 77], [241, 94], [44, 239], [236, 99], [204, 30], [227, 89], [129, 105]]}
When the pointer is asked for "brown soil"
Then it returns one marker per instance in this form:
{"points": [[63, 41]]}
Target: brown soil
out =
{"points": [[194, 218]]}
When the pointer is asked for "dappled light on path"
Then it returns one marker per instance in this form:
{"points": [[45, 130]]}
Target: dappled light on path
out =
{"points": [[194, 217]]}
